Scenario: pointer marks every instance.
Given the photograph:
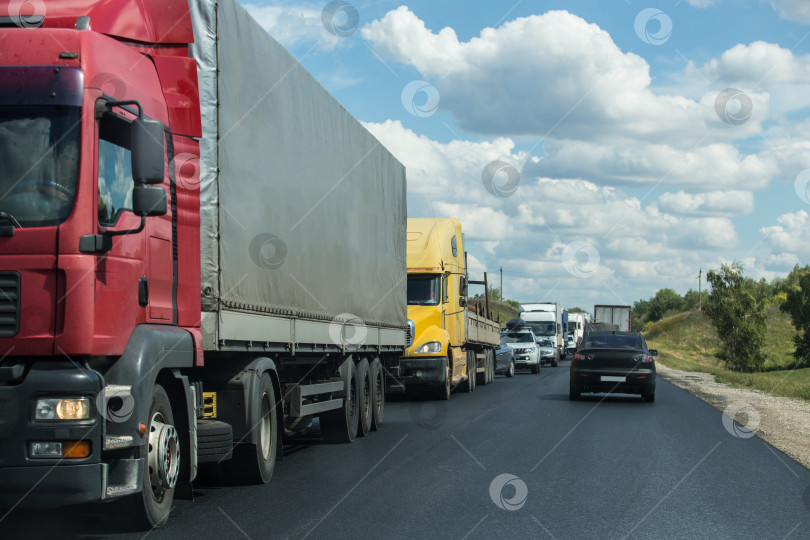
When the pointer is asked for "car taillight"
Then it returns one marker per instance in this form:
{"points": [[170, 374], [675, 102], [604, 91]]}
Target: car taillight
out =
{"points": [[591, 356], [643, 358]]}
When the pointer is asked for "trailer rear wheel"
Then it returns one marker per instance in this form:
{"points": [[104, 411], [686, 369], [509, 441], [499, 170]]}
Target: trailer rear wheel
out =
{"points": [[491, 371], [377, 394], [340, 425], [364, 398], [161, 465]]}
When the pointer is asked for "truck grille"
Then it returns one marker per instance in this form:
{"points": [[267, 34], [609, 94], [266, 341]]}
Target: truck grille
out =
{"points": [[9, 304]]}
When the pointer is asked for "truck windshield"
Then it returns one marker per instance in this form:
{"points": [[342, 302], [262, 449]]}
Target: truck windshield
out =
{"points": [[543, 328], [423, 290], [39, 152]]}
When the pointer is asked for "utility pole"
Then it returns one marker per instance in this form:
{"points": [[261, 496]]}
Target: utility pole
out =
{"points": [[502, 284], [700, 294]]}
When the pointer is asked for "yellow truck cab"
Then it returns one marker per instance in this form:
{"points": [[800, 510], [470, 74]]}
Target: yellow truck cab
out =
{"points": [[452, 345]]}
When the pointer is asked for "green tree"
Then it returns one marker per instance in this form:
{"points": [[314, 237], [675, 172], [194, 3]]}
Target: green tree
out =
{"points": [[797, 305], [738, 317], [691, 300], [576, 310], [665, 302]]}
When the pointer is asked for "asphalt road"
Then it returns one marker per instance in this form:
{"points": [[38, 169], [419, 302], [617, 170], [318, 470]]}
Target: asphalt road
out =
{"points": [[610, 467]]}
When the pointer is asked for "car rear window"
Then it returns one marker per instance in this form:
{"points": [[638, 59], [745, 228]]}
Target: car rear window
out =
{"points": [[613, 341]]}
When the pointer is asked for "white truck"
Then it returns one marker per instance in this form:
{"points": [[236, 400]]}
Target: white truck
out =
{"points": [[546, 321], [576, 325], [618, 315]]}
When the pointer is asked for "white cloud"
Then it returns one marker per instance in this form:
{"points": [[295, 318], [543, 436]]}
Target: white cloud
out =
{"points": [[713, 203], [552, 74], [709, 167], [294, 24], [785, 244], [793, 10]]}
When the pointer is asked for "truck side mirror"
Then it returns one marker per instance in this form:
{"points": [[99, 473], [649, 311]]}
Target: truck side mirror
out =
{"points": [[462, 286], [462, 301], [148, 151], [149, 201]]}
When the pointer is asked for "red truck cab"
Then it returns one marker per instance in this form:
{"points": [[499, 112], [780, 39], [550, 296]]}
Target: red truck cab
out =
{"points": [[99, 245]]}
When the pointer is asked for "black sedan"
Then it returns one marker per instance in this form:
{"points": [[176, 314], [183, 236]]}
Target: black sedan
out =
{"points": [[505, 360], [613, 362]]}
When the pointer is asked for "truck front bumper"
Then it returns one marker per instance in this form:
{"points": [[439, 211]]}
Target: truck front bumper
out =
{"points": [[52, 485], [27, 481], [416, 372]]}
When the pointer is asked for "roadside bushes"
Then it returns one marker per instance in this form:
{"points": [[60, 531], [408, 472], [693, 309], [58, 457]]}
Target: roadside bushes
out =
{"points": [[738, 317]]}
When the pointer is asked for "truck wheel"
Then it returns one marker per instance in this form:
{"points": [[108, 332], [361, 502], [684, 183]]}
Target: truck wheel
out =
{"points": [[482, 378], [491, 366], [364, 398], [340, 425], [556, 359], [161, 464], [511, 371], [254, 463], [377, 394], [443, 392], [469, 384]]}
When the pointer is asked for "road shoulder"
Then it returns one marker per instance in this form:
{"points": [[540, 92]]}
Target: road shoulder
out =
{"points": [[783, 422]]}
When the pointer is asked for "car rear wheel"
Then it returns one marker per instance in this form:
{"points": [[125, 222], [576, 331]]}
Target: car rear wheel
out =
{"points": [[649, 398], [511, 371], [573, 393]]}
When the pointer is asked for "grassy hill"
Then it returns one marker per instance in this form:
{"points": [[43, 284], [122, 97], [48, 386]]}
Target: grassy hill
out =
{"points": [[688, 341], [499, 309]]}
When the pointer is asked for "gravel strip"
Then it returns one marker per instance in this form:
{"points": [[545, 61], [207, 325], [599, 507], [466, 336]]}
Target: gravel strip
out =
{"points": [[783, 422]]}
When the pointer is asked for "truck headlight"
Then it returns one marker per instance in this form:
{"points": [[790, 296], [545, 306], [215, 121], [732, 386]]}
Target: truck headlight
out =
{"points": [[57, 409], [429, 347]]}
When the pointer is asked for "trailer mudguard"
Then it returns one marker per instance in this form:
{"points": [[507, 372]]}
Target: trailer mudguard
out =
{"points": [[238, 408]]}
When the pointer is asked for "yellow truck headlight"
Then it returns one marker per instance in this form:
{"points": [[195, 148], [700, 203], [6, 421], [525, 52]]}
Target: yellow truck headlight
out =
{"points": [[429, 347], [56, 409]]}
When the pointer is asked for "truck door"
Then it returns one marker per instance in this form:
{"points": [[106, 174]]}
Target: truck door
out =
{"points": [[134, 278]]}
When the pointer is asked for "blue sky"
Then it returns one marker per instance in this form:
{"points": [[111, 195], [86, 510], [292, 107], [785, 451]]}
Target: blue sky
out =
{"points": [[645, 140]]}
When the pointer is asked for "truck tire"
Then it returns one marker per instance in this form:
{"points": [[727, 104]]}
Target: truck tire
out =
{"points": [[364, 398], [161, 465], [340, 425], [556, 359], [377, 394], [254, 463], [214, 441], [482, 377], [443, 392], [491, 365], [469, 384]]}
